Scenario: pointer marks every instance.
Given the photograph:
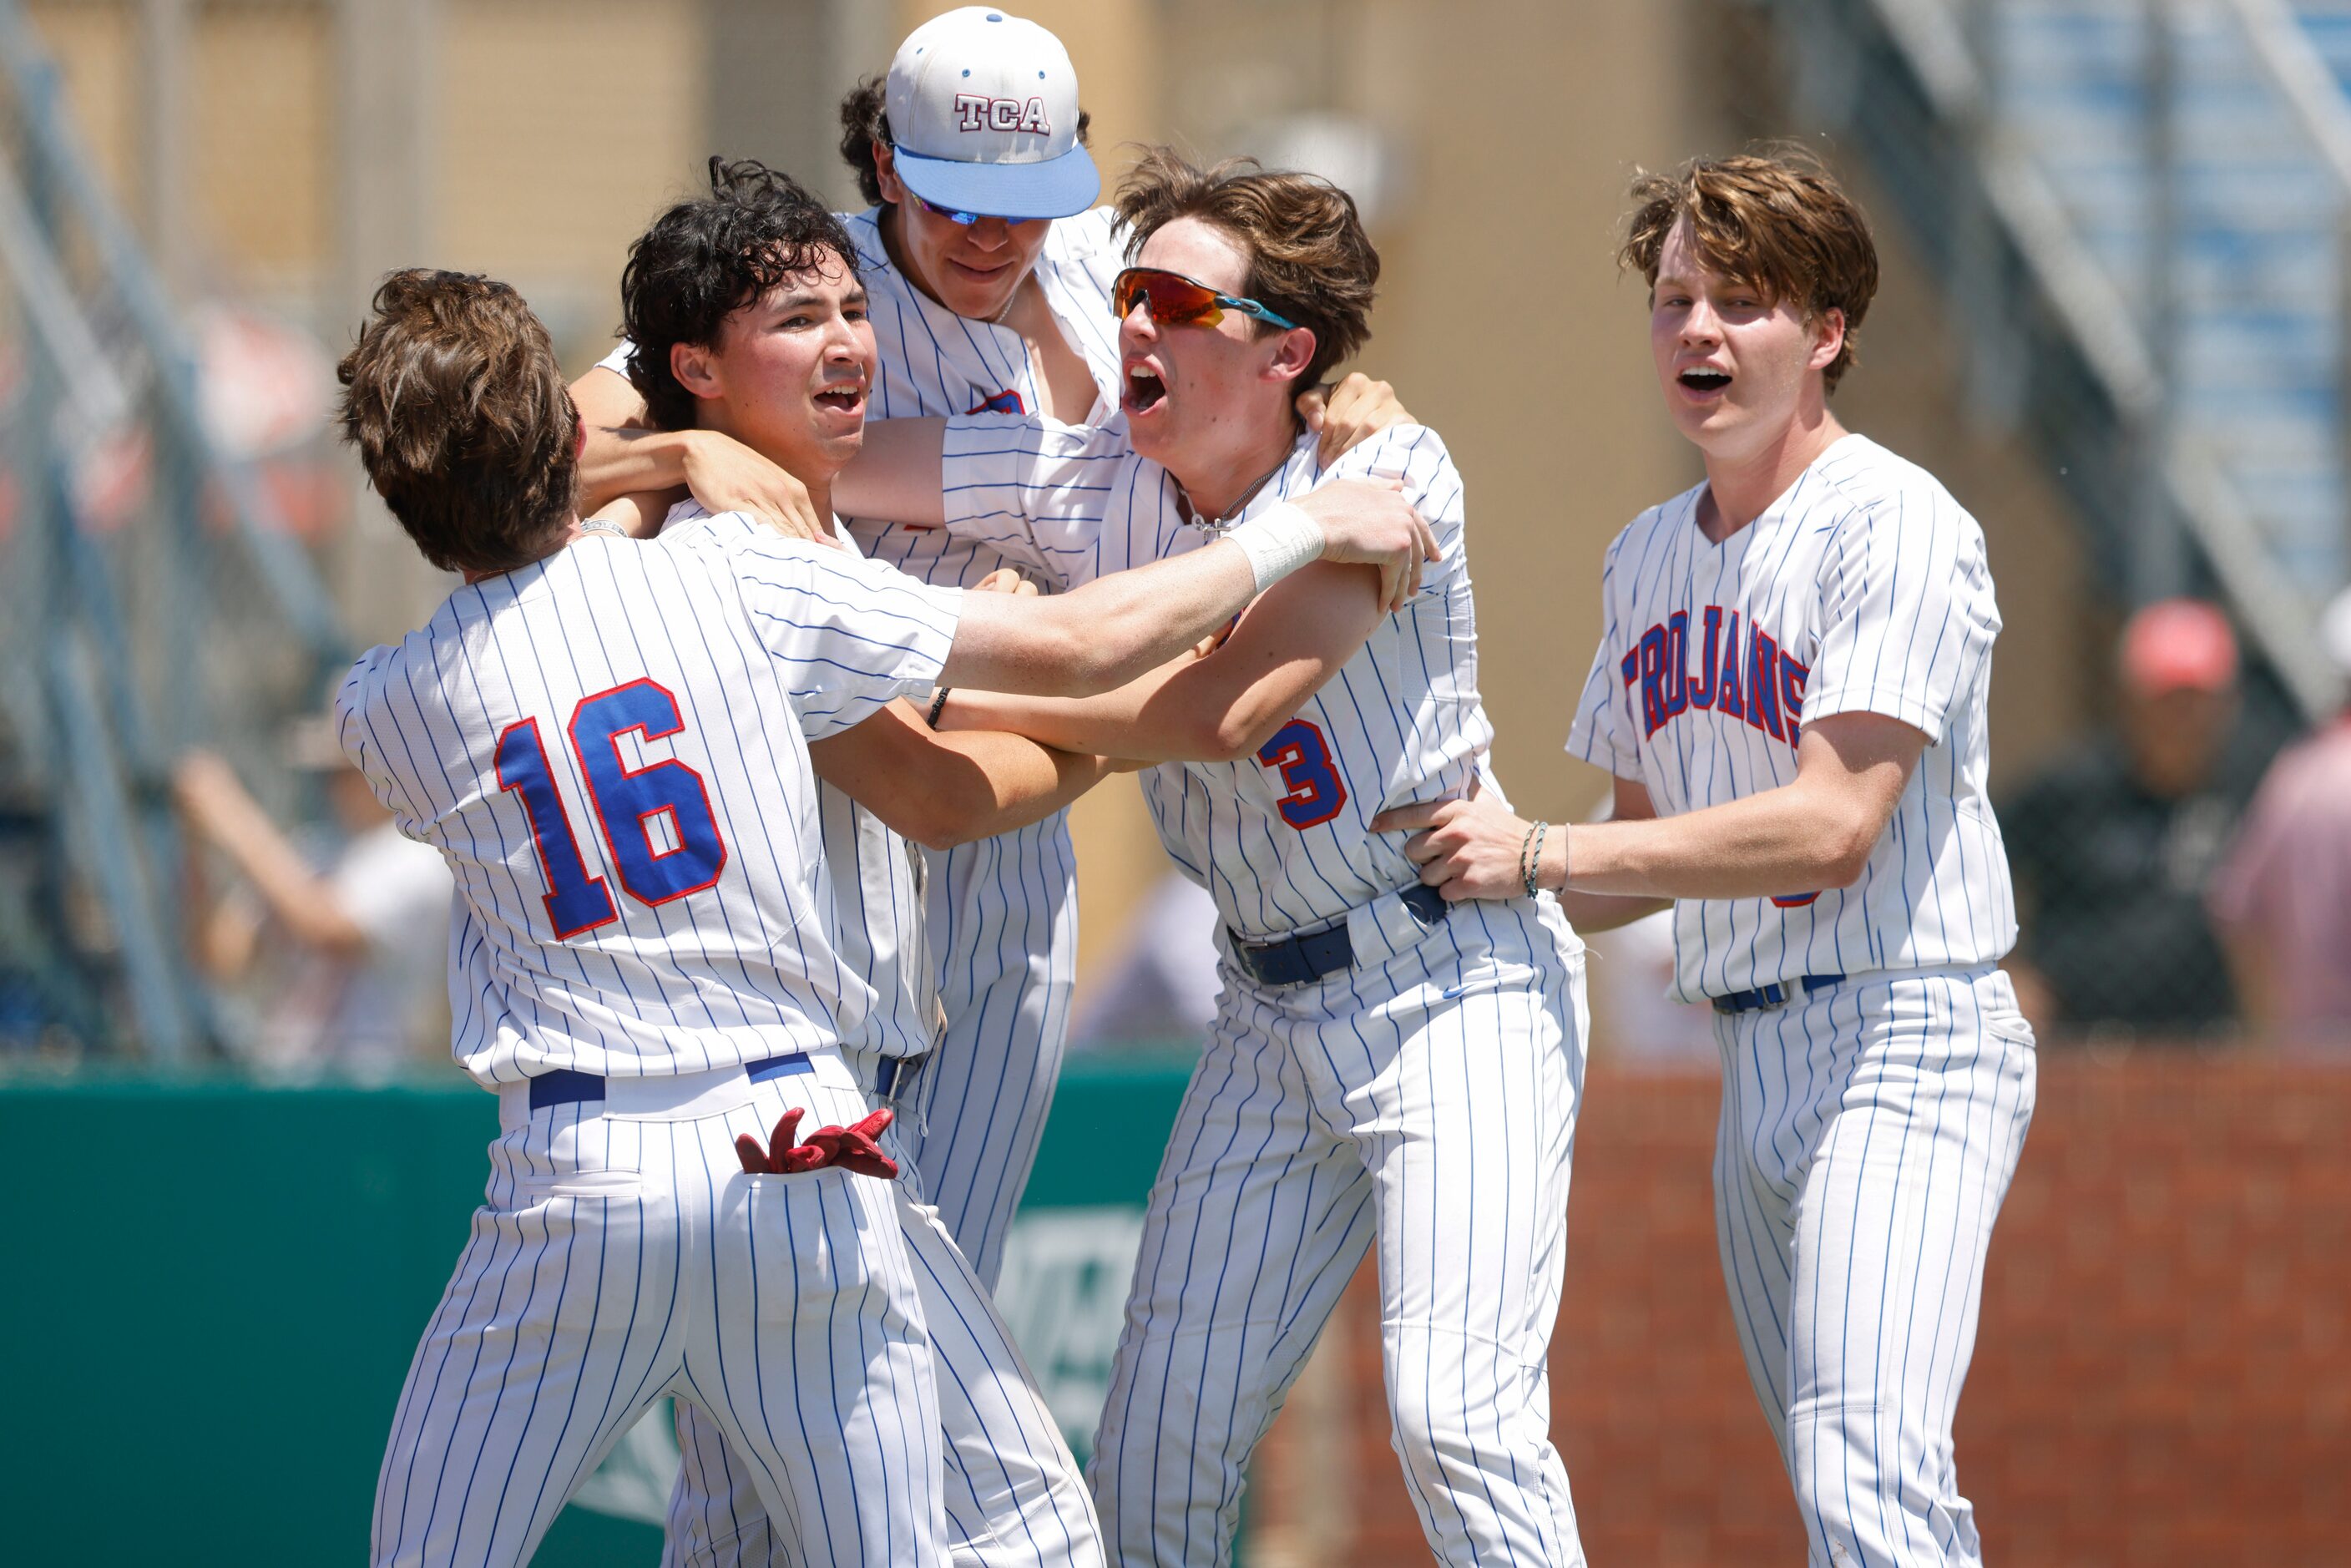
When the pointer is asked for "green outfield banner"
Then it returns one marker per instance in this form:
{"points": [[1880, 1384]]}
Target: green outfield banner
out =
{"points": [[215, 1284]]}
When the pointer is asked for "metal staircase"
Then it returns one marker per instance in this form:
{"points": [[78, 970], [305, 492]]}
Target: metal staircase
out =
{"points": [[151, 596], [2137, 209]]}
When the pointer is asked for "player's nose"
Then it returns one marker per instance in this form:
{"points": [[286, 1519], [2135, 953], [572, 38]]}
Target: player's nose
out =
{"points": [[1700, 324], [991, 234]]}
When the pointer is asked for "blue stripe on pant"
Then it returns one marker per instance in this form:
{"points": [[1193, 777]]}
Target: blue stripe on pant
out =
{"points": [[1868, 1138], [1426, 1097]]}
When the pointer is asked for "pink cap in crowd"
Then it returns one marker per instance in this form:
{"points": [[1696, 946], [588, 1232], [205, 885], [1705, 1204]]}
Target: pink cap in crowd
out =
{"points": [[2179, 645]]}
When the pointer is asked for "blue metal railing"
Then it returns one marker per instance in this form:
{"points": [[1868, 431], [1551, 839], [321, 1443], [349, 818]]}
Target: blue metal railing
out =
{"points": [[196, 610]]}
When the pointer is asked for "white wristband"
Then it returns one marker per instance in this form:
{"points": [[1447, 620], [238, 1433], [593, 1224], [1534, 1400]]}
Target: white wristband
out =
{"points": [[1278, 542]]}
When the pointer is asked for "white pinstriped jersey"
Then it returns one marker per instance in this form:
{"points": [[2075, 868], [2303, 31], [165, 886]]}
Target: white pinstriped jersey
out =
{"points": [[1863, 588], [877, 876], [1282, 840], [609, 745]]}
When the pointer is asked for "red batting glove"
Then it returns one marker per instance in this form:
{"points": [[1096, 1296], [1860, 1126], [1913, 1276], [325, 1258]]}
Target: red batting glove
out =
{"points": [[858, 1148], [853, 1149]]}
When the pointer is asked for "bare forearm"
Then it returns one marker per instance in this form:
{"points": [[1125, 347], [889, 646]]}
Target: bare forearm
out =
{"points": [[1101, 636], [297, 896], [1590, 911], [618, 461], [1775, 842], [1023, 783], [1139, 720]]}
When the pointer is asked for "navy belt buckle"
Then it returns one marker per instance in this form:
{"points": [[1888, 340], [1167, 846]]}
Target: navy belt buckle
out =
{"points": [[1296, 960], [1777, 994]]}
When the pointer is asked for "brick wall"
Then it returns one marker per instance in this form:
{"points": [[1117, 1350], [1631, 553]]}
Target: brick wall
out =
{"points": [[2163, 1375]]}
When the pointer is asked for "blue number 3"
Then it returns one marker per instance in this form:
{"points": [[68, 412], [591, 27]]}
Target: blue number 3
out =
{"points": [[628, 801], [1316, 793]]}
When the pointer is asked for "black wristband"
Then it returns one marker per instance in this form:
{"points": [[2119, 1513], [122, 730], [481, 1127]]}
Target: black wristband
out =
{"points": [[938, 705]]}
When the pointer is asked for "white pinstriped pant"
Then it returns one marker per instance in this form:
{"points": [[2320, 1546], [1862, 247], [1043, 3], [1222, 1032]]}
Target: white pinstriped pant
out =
{"points": [[1004, 923], [621, 1258], [1868, 1135], [1014, 1495], [1428, 1096]]}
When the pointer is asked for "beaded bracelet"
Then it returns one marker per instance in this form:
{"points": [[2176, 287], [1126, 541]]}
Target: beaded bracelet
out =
{"points": [[1531, 855], [938, 705]]}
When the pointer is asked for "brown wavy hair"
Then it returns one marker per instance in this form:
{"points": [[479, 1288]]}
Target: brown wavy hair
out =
{"points": [[865, 119], [1310, 259], [1774, 220], [456, 401]]}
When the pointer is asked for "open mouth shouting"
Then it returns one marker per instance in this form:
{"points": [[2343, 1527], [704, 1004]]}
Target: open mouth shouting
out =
{"points": [[1143, 392], [846, 399], [1704, 382]]}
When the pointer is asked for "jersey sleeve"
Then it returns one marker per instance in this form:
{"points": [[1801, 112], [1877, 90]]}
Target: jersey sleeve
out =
{"points": [[368, 732], [1032, 489], [1906, 617], [1603, 733], [1416, 456], [618, 360], [850, 634]]}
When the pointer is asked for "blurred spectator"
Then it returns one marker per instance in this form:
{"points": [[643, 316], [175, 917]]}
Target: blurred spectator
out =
{"points": [[2283, 899], [2113, 846], [1161, 989], [357, 979]]}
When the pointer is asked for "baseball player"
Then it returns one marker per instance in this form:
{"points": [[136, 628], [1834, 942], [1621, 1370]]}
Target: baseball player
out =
{"points": [[1378, 1067], [609, 743], [987, 274], [1012, 1488], [1790, 692]]}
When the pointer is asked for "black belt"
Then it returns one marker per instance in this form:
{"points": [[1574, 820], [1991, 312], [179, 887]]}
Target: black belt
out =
{"points": [[570, 1086], [1778, 993], [1295, 960]]}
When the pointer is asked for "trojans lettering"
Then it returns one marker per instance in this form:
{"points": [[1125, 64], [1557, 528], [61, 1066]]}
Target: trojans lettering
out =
{"points": [[1751, 679], [978, 111]]}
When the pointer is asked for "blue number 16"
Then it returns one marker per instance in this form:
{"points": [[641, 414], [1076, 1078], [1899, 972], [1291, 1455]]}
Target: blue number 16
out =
{"points": [[628, 801]]}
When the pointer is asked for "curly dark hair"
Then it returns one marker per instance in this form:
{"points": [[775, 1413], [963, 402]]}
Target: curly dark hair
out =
{"points": [[865, 119], [703, 259], [456, 401], [1310, 258]]}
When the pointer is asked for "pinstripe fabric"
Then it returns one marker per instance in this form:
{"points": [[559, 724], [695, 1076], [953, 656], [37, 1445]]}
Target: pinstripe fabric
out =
{"points": [[1013, 1494], [1400, 723], [1003, 912], [1870, 589], [621, 1258], [762, 647], [617, 1260], [1868, 1138], [1426, 1098]]}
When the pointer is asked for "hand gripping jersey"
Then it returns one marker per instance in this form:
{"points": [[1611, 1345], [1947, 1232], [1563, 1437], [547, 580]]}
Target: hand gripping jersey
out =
{"points": [[1282, 840], [1003, 925], [1863, 588]]}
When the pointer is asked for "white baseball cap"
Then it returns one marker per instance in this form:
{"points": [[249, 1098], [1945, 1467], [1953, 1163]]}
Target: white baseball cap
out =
{"points": [[983, 112]]}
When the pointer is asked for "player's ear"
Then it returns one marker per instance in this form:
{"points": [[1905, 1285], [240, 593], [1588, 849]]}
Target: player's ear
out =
{"points": [[1828, 338], [695, 369], [885, 173], [1292, 352]]}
